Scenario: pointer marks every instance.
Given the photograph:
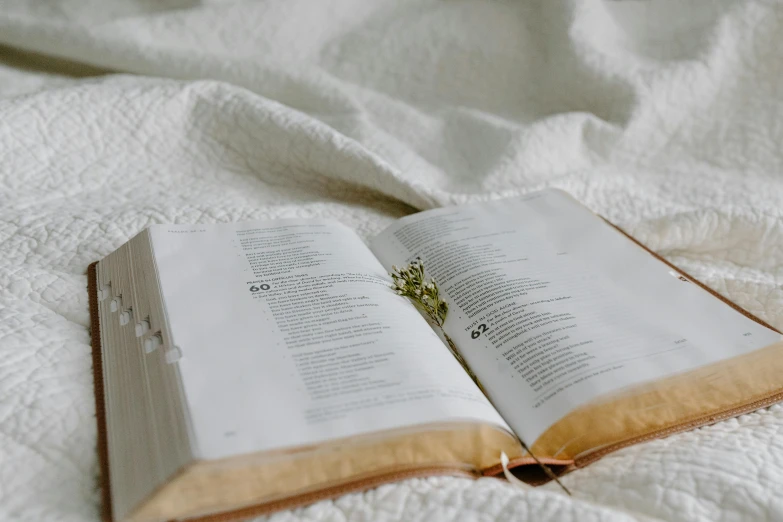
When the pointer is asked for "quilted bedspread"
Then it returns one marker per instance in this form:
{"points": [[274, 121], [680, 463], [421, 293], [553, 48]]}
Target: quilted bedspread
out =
{"points": [[665, 117]]}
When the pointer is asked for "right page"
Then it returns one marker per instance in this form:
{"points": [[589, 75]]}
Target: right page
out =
{"points": [[554, 309]]}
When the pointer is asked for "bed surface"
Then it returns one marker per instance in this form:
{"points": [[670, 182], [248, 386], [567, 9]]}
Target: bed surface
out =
{"points": [[665, 118]]}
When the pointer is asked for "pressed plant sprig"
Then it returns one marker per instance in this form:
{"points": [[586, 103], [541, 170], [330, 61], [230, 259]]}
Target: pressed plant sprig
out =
{"points": [[423, 292], [411, 282]]}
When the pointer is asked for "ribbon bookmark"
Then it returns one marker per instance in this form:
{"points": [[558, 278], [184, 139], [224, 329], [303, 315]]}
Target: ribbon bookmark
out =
{"points": [[509, 476]]}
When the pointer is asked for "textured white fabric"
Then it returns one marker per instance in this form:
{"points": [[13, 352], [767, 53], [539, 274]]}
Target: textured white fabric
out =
{"points": [[666, 117]]}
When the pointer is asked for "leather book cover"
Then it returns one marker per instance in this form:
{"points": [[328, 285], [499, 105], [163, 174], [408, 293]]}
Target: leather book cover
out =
{"points": [[745, 406]]}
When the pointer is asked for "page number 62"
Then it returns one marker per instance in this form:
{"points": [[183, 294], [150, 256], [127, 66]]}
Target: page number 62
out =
{"points": [[475, 334]]}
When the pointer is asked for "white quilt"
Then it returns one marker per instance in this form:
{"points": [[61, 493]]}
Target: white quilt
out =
{"points": [[666, 118]]}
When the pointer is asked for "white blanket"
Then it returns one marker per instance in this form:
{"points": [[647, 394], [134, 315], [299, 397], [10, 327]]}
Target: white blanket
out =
{"points": [[665, 118]]}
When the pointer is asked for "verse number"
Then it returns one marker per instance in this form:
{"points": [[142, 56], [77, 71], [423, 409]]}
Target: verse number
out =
{"points": [[255, 288], [475, 334]]}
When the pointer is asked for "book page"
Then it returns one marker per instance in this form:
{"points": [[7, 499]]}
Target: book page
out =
{"points": [[552, 307], [288, 334]]}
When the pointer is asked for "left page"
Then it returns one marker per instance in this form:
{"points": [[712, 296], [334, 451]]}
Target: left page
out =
{"points": [[290, 335]]}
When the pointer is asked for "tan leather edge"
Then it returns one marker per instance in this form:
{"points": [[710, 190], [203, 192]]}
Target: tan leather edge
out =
{"points": [[331, 492], [590, 457], [100, 406], [226, 485]]}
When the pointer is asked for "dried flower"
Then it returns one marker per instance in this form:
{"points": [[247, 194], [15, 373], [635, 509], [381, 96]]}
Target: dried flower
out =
{"points": [[412, 283]]}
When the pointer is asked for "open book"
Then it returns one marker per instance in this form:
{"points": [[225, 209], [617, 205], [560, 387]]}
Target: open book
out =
{"points": [[247, 367]]}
